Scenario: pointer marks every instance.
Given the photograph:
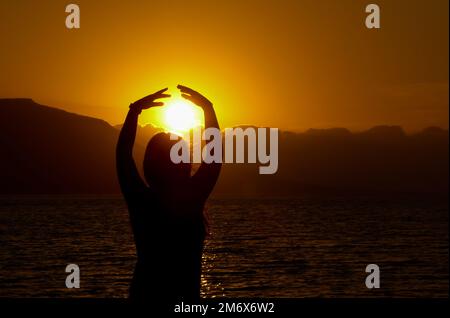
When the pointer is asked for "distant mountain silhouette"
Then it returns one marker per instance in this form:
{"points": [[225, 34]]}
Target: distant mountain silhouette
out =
{"points": [[144, 133], [47, 150], [336, 132]]}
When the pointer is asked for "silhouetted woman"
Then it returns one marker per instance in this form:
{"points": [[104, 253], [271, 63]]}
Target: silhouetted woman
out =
{"points": [[167, 214]]}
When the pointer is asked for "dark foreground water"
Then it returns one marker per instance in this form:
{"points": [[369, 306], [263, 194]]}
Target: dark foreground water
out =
{"points": [[309, 247]]}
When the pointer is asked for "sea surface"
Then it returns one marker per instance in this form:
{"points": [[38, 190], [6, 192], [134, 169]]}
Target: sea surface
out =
{"points": [[303, 247]]}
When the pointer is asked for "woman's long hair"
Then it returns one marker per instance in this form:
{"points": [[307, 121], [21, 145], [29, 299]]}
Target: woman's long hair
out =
{"points": [[159, 169]]}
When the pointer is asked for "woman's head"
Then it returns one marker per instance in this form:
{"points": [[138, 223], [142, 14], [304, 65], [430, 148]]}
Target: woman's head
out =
{"points": [[159, 169]]}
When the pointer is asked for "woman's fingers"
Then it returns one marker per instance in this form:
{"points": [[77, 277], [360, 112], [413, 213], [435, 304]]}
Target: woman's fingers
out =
{"points": [[152, 97], [162, 96], [158, 94], [193, 96], [189, 97], [153, 104], [187, 93], [185, 89], [190, 94], [160, 91], [196, 99]]}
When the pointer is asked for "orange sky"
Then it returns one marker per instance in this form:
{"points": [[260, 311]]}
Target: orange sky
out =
{"points": [[289, 64]]}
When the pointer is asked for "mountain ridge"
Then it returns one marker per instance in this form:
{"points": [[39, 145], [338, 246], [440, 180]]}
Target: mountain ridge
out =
{"points": [[47, 150]]}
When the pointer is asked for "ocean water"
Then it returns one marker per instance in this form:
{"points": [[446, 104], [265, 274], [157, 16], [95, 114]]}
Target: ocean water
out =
{"points": [[303, 247]]}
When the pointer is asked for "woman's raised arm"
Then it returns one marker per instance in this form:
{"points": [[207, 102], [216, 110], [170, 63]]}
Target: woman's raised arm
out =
{"points": [[206, 176], [128, 175]]}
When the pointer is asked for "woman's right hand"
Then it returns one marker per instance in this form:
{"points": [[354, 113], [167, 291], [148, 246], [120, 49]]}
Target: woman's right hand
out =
{"points": [[149, 101], [194, 96]]}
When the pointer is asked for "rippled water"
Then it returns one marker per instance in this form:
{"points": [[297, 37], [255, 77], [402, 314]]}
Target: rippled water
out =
{"points": [[307, 247]]}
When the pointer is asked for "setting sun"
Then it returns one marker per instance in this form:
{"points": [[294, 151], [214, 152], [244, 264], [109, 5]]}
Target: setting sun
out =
{"points": [[180, 115]]}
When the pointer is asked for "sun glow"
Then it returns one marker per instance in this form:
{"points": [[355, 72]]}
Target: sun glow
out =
{"points": [[180, 116]]}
